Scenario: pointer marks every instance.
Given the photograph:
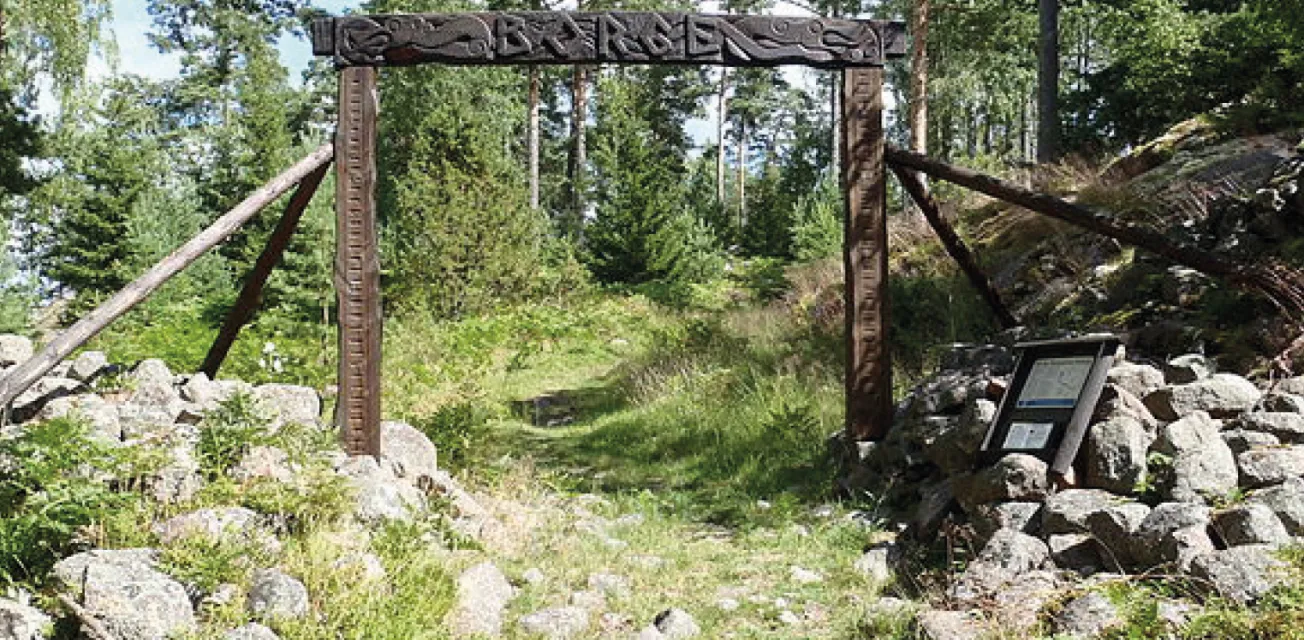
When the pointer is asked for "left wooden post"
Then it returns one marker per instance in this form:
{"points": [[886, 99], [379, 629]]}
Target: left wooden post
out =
{"points": [[357, 263]]}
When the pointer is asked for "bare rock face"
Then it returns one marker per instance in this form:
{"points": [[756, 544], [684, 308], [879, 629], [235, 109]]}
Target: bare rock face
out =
{"points": [[127, 594], [1221, 395], [483, 593], [1243, 574], [1203, 465]]}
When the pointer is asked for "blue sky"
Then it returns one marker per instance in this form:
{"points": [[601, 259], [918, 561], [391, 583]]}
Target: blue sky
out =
{"points": [[131, 24]]}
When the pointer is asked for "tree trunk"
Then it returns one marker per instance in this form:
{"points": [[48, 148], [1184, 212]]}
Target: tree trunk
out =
{"points": [[1048, 128], [919, 77], [1279, 283], [721, 114], [835, 124], [18, 379], [578, 148], [742, 176], [534, 138]]}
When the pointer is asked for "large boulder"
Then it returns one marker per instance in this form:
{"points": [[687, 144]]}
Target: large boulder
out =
{"points": [[1222, 395], [1203, 466], [125, 592], [1271, 465], [413, 455], [1116, 454], [1017, 477], [482, 596], [1068, 510], [1242, 574], [152, 371], [1114, 530], [380, 495]]}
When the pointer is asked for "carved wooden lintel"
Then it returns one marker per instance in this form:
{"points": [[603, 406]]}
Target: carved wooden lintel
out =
{"points": [[558, 37]]}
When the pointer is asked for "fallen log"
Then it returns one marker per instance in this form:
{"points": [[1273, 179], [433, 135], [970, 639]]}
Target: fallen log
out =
{"points": [[954, 245], [24, 375], [1279, 283]]}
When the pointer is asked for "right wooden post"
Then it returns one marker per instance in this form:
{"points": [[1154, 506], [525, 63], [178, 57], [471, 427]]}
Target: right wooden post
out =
{"points": [[864, 188]]}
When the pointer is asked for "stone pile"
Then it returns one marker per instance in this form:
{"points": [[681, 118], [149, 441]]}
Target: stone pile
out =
{"points": [[125, 593], [1184, 469]]}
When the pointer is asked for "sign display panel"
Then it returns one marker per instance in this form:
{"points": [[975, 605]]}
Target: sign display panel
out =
{"points": [[1048, 407]]}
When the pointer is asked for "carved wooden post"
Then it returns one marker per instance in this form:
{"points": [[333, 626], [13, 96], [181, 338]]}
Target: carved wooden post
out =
{"points": [[357, 266], [864, 187]]}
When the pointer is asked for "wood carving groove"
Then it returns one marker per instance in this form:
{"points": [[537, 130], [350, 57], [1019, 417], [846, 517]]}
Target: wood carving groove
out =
{"points": [[357, 267], [556, 37]]}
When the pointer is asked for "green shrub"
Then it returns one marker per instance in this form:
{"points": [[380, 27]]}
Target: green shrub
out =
{"points": [[228, 431], [453, 428], [51, 492]]}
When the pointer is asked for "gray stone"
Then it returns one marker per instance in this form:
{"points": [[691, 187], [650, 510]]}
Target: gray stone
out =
{"points": [[1068, 510], [989, 518], [15, 349], [961, 356], [1243, 574], [19, 621], [251, 631], [202, 391], [223, 523], [152, 371], [1289, 427], [1269, 466], [1203, 465], [30, 402], [1016, 477], [1250, 523], [412, 453], [482, 597], [877, 563], [956, 450], [366, 565], [275, 594], [178, 480], [98, 412], [557, 623], [1291, 385], [142, 420], [1017, 606], [1240, 440], [1087, 616], [88, 365], [290, 404], [1116, 403], [1221, 395], [1116, 454], [933, 505], [127, 594], [263, 462], [609, 584], [1287, 501], [1005, 557], [1283, 402], [1137, 379], [951, 625], [379, 494], [676, 623], [1187, 369], [1114, 530], [1173, 532], [1075, 552]]}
